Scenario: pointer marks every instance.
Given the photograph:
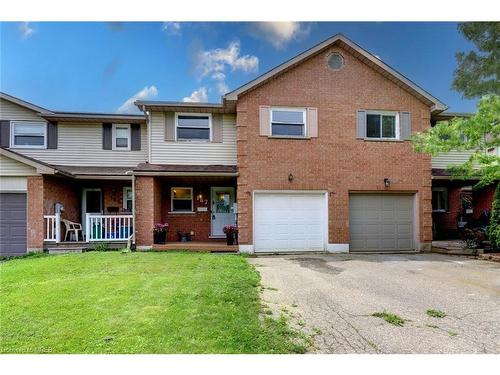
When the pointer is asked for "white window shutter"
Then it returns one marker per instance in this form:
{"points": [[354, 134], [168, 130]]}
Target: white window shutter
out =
{"points": [[312, 122], [405, 125], [361, 123], [265, 120]]}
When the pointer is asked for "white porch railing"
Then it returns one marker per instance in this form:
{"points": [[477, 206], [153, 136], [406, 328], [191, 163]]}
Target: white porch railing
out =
{"points": [[52, 227], [108, 227]]}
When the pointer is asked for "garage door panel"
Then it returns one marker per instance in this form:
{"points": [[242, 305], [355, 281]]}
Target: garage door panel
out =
{"points": [[381, 222], [289, 222], [12, 224]]}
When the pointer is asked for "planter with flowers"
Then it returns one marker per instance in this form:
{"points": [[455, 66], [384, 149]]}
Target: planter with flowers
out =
{"points": [[231, 232], [160, 233]]}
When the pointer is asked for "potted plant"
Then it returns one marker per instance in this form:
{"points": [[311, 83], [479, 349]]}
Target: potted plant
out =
{"points": [[230, 231], [160, 233]]}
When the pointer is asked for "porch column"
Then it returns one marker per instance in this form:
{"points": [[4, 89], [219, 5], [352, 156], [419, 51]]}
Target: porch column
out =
{"points": [[147, 210], [35, 221]]}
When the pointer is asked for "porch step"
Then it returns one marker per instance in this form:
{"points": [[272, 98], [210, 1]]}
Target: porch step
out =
{"points": [[212, 247], [79, 246]]}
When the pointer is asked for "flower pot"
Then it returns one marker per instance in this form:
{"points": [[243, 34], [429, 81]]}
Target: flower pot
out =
{"points": [[160, 237], [230, 239]]}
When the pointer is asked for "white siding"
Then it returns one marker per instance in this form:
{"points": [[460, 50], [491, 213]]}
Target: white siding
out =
{"points": [[195, 153], [11, 167], [442, 161], [11, 111], [13, 183], [80, 144]]}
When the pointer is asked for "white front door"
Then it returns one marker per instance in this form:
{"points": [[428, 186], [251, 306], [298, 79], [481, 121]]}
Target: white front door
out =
{"points": [[294, 221], [91, 203], [222, 201]]}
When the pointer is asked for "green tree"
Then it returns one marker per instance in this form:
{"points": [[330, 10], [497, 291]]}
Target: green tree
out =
{"points": [[478, 72]]}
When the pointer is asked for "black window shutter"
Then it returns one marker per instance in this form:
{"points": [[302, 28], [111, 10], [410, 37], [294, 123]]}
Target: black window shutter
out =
{"points": [[52, 135], [135, 135], [5, 133], [107, 137]]}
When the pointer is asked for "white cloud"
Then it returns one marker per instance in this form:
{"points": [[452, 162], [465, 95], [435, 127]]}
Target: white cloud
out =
{"points": [[214, 63], [26, 30], [172, 28], [200, 95], [279, 34], [146, 93]]}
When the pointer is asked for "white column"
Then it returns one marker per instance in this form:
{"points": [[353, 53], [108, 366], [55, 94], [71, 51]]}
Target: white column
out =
{"points": [[58, 227], [87, 228]]}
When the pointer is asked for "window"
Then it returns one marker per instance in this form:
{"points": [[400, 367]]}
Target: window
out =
{"points": [[193, 127], [127, 198], [382, 125], [440, 199], [121, 137], [181, 199], [288, 122], [335, 61], [28, 134]]}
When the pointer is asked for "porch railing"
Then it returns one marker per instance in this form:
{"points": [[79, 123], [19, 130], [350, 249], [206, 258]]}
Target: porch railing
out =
{"points": [[52, 227], [108, 227]]}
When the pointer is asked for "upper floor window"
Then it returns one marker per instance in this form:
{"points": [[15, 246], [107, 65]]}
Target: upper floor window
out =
{"points": [[193, 127], [382, 125], [121, 136], [439, 199], [288, 122], [28, 134]]}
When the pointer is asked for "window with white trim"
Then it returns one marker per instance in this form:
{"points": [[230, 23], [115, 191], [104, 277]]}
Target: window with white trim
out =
{"points": [[127, 198], [288, 122], [193, 126], [181, 199], [25, 134], [121, 136], [382, 125], [439, 199]]}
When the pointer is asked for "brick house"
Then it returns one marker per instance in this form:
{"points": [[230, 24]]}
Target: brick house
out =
{"points": [[314, 155]]}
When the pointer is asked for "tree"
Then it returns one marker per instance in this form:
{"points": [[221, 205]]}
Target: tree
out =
{"points": [[478, 72], [480, 132], [494, 227]]}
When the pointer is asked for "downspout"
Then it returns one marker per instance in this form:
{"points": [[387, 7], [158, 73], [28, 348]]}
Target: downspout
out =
{"points": [[133, 205], [148, 124]]}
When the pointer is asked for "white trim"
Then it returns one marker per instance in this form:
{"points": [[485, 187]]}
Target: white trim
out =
{"points": [[279, 192], [181, 199], [12, 135], [129, 137], [84, 205], [383, 113], [212, 199], [124, 200], [337, 247], [290, 109], [209, 115]]}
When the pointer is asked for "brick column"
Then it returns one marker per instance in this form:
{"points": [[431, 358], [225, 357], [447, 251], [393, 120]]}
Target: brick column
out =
{"points": [[35, 214], [147, 210]]}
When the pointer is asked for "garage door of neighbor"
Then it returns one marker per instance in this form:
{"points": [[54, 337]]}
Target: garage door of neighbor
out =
{"points": [[286, 222], [381, 222], [12, 224]]}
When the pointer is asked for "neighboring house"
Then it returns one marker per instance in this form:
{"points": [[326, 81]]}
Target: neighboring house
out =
{"points": [[454, 202], [314, 155]]}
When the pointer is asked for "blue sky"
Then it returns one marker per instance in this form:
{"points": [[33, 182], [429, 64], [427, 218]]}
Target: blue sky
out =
{"points": [[103, 67]]}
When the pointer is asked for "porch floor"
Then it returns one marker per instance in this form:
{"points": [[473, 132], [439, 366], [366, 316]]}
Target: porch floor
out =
{"points": [[213, 247]]}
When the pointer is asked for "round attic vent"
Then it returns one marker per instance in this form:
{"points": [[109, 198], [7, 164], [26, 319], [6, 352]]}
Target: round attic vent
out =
{"points": [[335, 61]]}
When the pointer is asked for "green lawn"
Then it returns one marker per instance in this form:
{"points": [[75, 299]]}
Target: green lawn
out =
{"points": [[109, 302]]}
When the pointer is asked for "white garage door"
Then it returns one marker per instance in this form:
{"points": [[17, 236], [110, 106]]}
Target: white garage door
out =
{"points": [[290, 222], [381, 222]]}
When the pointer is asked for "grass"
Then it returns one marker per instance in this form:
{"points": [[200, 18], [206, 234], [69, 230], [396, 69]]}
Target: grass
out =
{"points": [[436, 313], [109, 302], [390, 318]]}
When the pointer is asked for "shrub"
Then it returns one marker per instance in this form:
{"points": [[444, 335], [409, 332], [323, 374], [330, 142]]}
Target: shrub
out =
{"points": [[494, 227]]}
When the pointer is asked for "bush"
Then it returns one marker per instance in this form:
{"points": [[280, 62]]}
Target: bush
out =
{"points": [[494, 227]]}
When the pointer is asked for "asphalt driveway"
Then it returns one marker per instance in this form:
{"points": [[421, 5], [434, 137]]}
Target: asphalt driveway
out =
{"points": [[335, 296]]}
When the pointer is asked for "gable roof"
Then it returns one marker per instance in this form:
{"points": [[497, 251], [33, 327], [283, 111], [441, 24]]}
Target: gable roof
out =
{"points": [[356, 50], [24, 103], [41, 167]]}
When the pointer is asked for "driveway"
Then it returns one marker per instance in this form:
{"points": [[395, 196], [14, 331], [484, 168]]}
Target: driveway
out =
{"points": [[335, 296]]}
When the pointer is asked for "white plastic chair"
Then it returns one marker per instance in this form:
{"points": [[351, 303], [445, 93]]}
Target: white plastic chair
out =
{"points": [[72, 227]]}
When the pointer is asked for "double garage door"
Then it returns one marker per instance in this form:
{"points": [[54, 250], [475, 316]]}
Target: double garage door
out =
{"points": [[287, 222], [12, 224]]}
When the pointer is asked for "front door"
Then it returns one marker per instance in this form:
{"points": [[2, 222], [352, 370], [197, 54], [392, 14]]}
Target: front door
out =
{"points": [[222, 209], [91, 203]]}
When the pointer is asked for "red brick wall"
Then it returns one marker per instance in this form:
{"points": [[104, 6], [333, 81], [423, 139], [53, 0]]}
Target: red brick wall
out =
{"points": [[146, 205], [35, 213], [335, 161], [483, 199], [446, 222], [62, 190]]}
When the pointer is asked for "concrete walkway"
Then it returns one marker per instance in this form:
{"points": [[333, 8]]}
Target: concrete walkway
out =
{"points": [[336, 296]]}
